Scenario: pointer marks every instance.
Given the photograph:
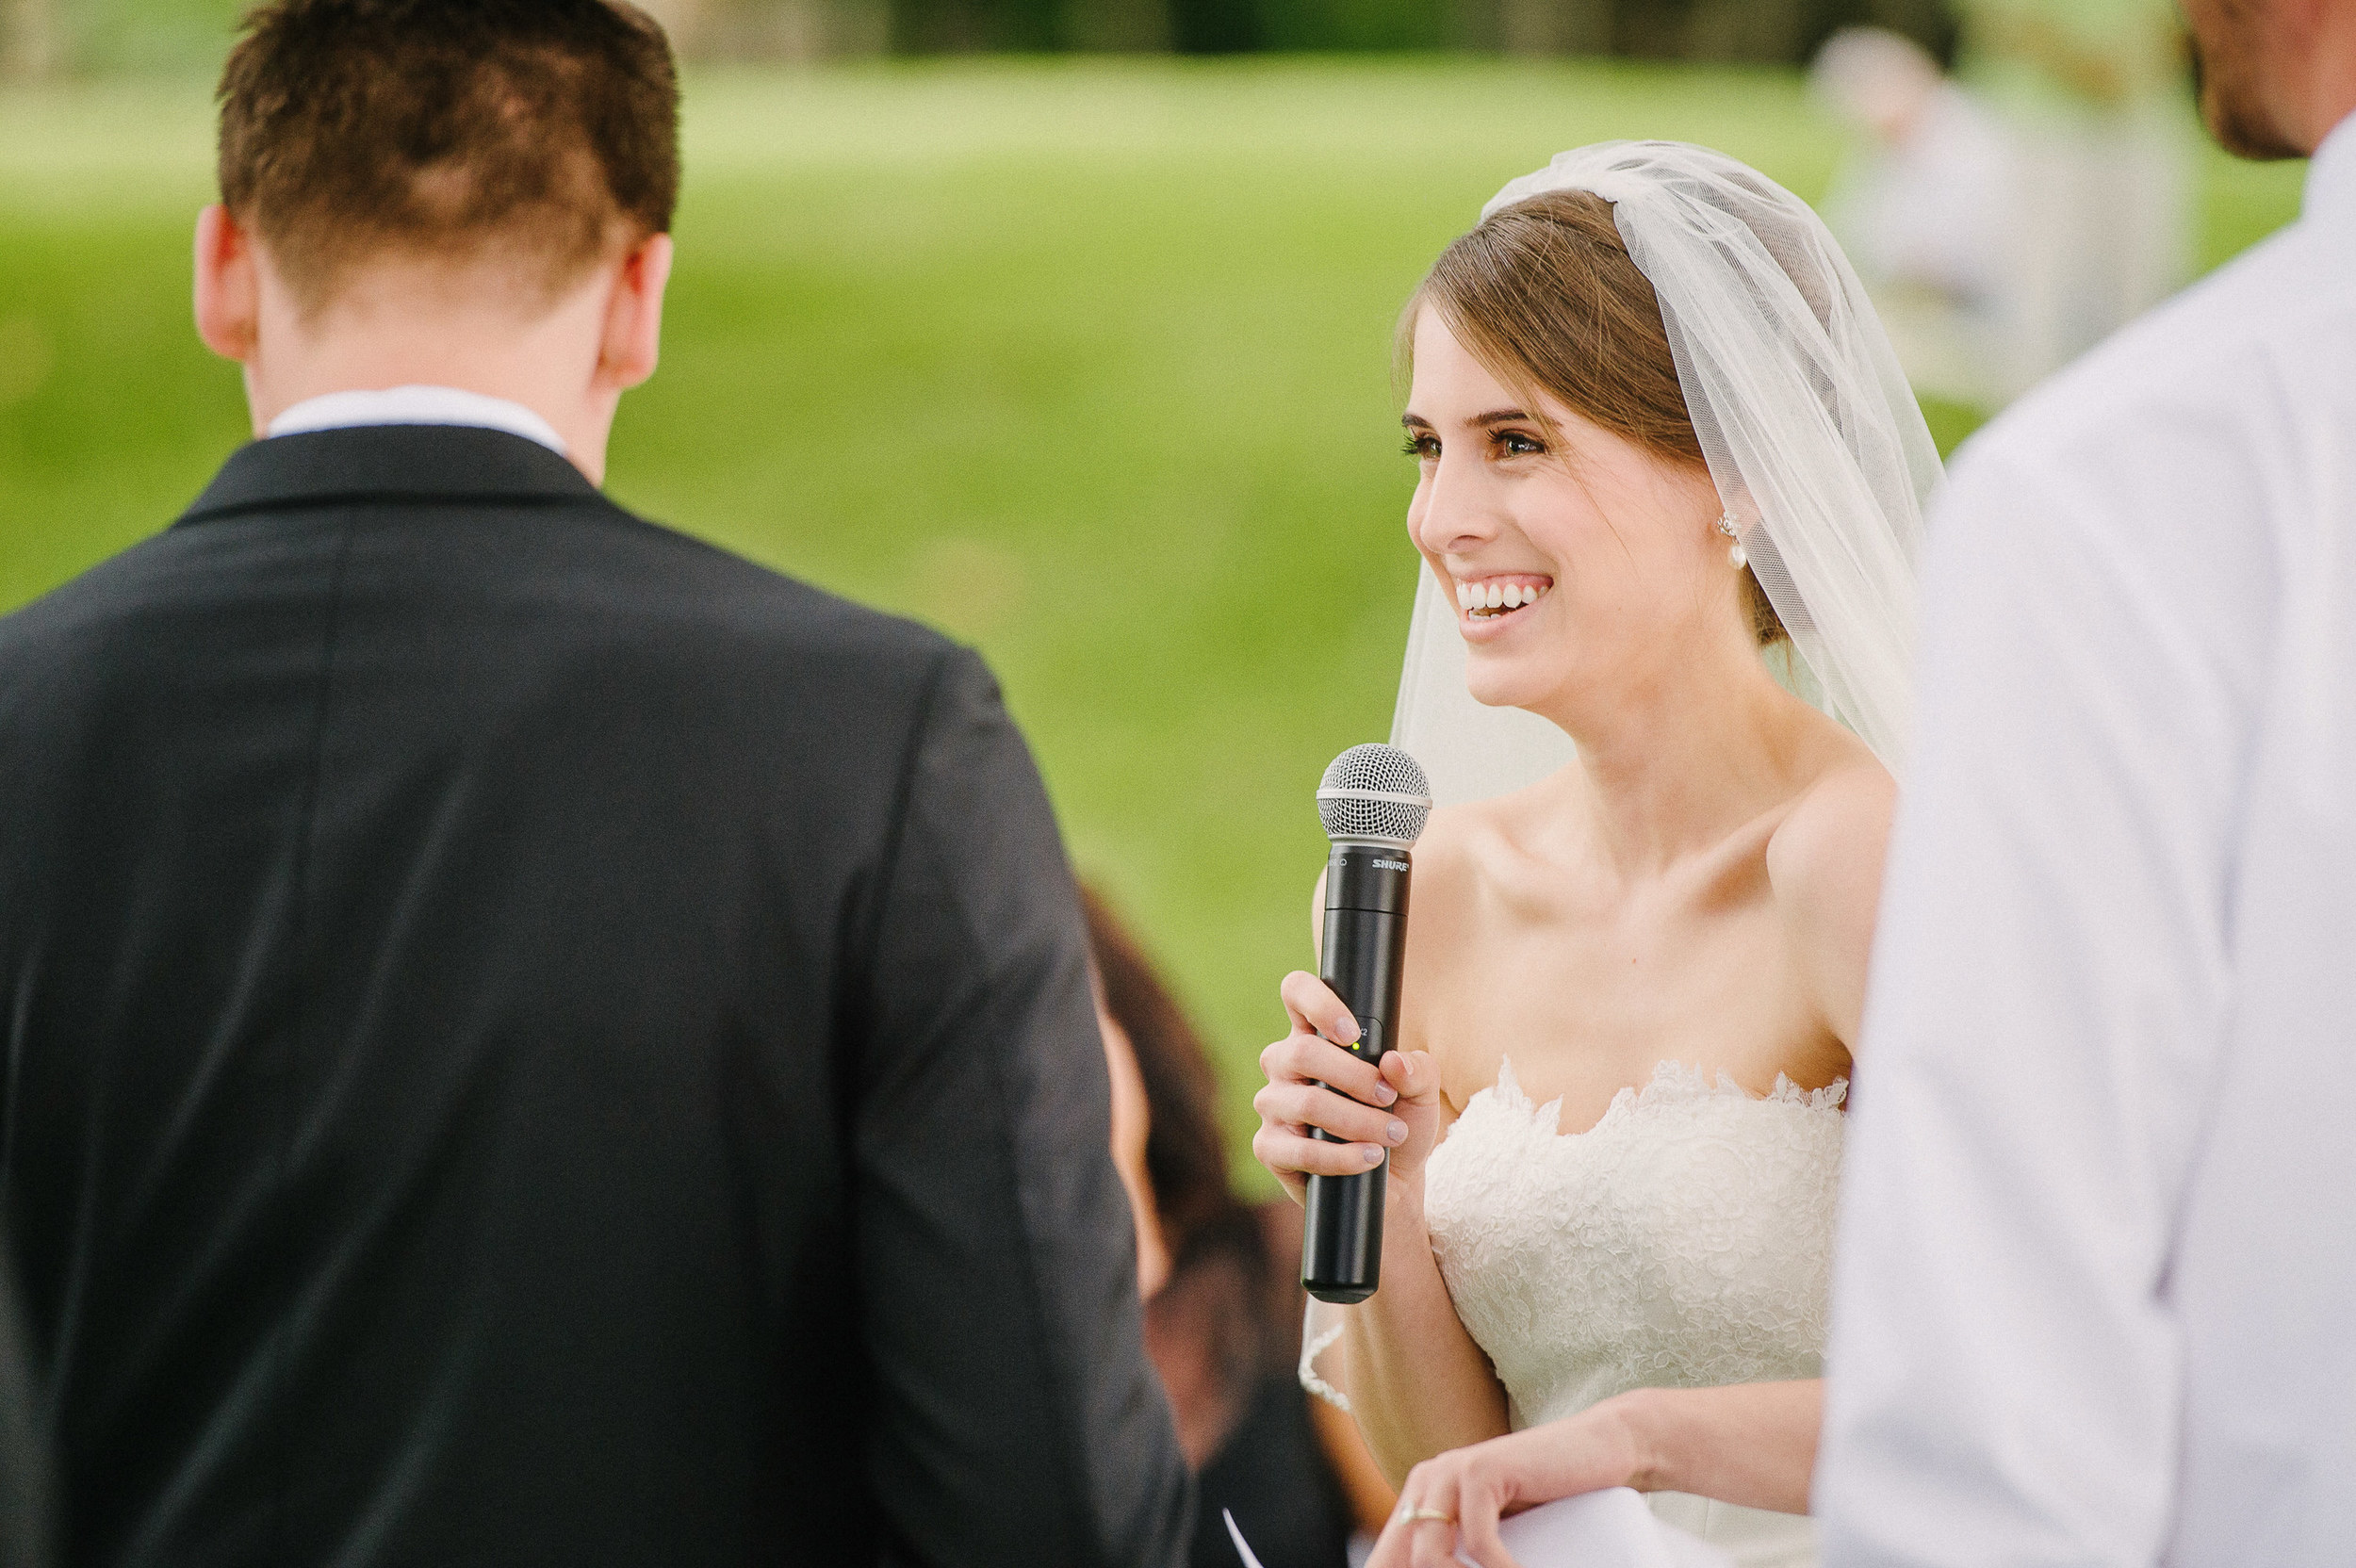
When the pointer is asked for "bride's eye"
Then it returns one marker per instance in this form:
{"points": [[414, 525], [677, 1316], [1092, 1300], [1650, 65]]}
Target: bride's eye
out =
{"points": [[1421, 447], [1515, 443]]}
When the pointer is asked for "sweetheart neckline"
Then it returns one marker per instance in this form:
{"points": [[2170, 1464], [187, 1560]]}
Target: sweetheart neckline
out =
{"points": [[1678, 1082]]}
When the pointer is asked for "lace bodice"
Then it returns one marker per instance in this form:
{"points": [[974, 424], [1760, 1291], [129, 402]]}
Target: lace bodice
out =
{"points": [[1685, 1240]]}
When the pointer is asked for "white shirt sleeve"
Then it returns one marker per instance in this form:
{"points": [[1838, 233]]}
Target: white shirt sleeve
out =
{"points": [[2050, 984]]}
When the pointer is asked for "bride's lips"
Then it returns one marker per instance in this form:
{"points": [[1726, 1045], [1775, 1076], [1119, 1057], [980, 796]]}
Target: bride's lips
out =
{"points": [[1486, 606]]}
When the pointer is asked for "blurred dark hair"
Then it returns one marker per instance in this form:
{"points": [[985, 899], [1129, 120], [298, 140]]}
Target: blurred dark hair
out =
{"points": [[1185, 1157], [538, 132], [1209, 1329]]}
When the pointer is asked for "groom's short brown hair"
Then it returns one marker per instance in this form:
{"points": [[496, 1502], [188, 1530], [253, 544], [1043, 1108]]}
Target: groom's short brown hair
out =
{"points": [[538, 134]]}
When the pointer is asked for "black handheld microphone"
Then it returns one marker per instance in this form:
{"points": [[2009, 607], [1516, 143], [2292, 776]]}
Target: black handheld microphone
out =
{"points": [[1373, 801]]}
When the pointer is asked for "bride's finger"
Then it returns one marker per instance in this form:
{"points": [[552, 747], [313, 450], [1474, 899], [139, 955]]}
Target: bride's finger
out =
{"points": [[1289, 1152], [1296, 1185], [1412, 1074], [1423, 1531], [1306, 1058], [1293, 1105], [1313, 1005], [1395, 1547], [1434, 1546], [1477, 1528]]}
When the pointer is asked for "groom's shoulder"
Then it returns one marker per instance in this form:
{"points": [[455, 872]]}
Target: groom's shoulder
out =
{"points": [[2212, 359], [604, 581], [696, 578], [686, 593]]}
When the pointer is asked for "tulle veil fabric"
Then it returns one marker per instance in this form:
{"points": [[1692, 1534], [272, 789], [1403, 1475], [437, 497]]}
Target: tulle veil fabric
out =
{"points": [[1814, 442]]}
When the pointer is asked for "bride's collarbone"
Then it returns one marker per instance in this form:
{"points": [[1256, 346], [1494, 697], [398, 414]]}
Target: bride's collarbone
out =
{"points": [[1508, 867], [1586, 1006], [1595, 935], [1587, 980]]}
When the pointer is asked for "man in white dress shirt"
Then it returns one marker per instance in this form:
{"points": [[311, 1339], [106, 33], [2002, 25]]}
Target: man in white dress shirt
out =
{"points": [[2096, 1301]]}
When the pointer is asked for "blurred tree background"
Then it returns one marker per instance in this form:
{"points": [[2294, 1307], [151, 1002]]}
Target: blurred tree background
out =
{"points": [[40, 38], [1061, 337]]}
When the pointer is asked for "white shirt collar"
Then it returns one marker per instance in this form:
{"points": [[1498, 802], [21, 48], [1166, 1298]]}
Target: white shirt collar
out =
{"points": [[417, 405], [2331, 192]]}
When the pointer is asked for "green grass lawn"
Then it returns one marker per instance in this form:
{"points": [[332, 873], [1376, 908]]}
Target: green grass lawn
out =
{"points": [[1086, 363]]}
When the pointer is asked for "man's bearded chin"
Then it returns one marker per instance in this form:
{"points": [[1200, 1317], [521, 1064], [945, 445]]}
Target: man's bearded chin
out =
{"points": [[2225, 77]]}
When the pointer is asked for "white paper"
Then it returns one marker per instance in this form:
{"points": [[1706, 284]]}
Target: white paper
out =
{"points": [[1613, 1529]]}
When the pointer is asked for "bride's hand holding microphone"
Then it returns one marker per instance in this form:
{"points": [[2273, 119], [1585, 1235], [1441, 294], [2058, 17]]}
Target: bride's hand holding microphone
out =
{"points": [[1391, 1107], [1347, 1122], [1373, 802]]}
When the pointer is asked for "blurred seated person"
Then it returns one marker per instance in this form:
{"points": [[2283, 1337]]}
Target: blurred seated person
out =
{"points": [[1222, 1288], [1925, 209]]}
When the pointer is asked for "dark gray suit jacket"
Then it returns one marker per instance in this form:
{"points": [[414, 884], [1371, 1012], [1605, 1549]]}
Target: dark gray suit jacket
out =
{"points": [[533, 1040]]}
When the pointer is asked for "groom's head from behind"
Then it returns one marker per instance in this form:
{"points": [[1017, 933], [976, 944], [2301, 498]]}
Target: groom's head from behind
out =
{"points": [[470, 193]]}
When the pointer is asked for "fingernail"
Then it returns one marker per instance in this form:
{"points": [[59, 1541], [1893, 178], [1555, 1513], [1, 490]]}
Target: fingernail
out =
{"points": [[1374, 1156], [1397, 1132], [1384, 1094]]}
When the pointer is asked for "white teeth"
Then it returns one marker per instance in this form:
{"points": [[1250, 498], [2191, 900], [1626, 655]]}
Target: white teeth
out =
{"points": [[1477, 597]]}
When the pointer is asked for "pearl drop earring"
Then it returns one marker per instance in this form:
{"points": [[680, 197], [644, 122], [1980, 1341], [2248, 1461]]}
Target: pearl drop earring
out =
{"points": [[1735, 554]]}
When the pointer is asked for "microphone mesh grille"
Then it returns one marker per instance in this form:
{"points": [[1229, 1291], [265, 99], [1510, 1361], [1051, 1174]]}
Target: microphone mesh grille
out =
{"points": [[1380, 768]]}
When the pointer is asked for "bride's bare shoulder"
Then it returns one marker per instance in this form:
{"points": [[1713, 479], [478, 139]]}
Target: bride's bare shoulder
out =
{"points": [[1446, 834], [1472, 860], [1457, 839], [1825, 858], [1447, 855]]}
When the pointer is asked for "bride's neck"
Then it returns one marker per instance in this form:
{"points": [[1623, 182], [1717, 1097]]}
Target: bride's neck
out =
{"points": [[1673, 761]]}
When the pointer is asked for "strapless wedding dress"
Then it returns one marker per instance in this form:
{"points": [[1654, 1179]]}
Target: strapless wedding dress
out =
{"points": [[1683, 1241]]}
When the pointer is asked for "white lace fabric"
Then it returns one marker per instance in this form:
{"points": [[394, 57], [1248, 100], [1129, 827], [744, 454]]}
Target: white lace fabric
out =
{"points": [[1684, 1241]]}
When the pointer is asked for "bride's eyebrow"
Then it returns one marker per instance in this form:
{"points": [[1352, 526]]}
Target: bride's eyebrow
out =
{"points": [[1495, 417]]}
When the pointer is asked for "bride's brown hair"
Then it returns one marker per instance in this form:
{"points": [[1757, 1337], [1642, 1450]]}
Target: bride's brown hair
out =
{"points": [[1544, 294]]}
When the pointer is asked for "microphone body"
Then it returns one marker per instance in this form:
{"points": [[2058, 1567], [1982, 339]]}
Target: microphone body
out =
{"points": [[1365, 954]]}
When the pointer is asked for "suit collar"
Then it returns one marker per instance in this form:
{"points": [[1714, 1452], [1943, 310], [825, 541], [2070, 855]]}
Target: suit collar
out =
{"points": [[375, 462]]}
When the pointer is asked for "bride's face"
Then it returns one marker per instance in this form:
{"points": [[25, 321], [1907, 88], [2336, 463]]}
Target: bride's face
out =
{"points": [[1576, 559]]}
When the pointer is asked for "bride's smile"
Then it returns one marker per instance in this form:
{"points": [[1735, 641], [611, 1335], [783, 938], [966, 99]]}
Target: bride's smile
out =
{"points": [[1494, 598]]}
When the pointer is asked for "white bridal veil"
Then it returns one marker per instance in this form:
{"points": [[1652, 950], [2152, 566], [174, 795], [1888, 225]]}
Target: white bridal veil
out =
{"points": [[1813, 439]]}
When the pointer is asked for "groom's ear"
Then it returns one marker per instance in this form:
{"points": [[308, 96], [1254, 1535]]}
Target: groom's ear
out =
{"points": [[228, 285], [631, 339]]}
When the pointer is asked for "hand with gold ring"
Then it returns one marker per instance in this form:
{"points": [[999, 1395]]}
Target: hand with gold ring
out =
{"points": [[1451, 1504]]}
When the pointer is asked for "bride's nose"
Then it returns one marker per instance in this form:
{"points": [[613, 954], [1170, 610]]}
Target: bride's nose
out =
{"points": [[1452, 514]]}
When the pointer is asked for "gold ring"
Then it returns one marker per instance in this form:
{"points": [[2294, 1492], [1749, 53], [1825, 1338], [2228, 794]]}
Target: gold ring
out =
{"points": [[1431, 1515]]}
